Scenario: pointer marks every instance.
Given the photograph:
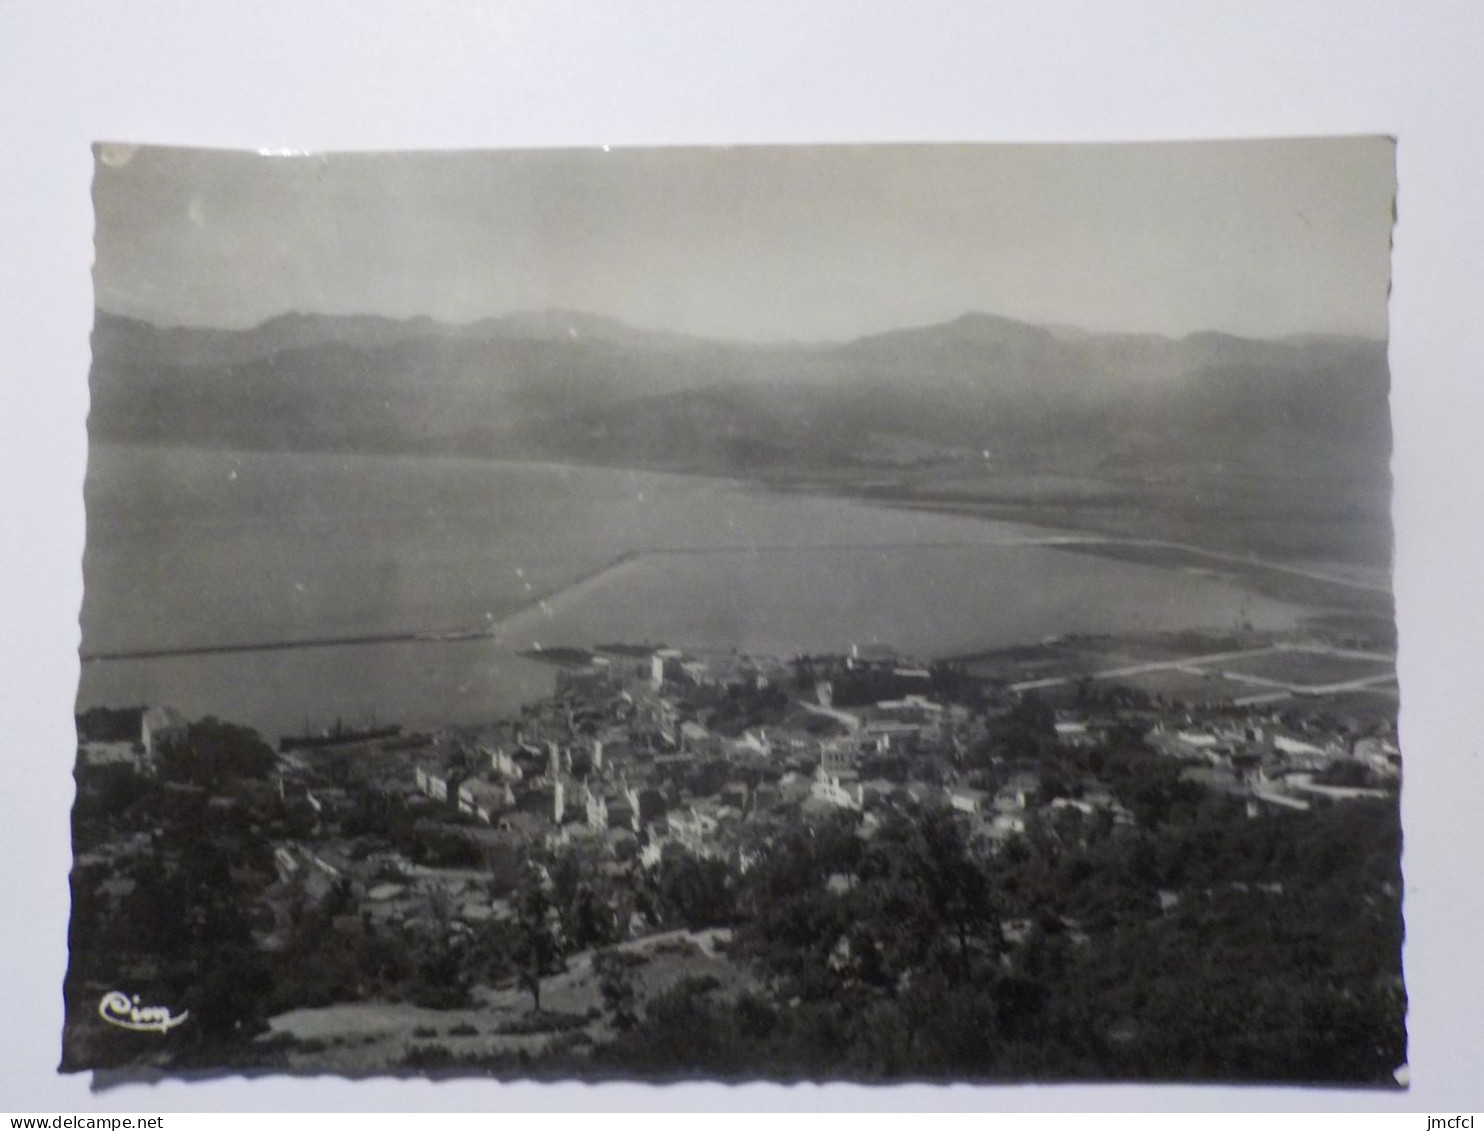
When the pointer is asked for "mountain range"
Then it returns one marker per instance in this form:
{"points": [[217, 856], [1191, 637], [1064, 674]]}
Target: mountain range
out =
{"points": [[573, 386]]}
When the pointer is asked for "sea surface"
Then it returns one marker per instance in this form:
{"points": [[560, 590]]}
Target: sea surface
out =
{"points": [[192, 548]]}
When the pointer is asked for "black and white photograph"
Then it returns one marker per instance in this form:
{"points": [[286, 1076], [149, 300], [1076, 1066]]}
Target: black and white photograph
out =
{"points": [[871, 613]]}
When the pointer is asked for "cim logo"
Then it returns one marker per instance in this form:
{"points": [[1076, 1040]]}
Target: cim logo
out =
{"points": [[125, 1012]]}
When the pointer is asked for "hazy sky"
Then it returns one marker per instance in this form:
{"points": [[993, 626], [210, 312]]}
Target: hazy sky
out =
{"points": [[1255, 238]]}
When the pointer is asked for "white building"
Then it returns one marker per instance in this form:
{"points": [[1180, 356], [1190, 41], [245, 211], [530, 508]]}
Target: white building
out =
{"points": [[503, 764], [161, 727], [967, 800], [484, 800], [838, 787]]}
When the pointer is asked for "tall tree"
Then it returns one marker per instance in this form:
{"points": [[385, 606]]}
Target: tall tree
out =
{"points": [[616, 981], [537, 953]]}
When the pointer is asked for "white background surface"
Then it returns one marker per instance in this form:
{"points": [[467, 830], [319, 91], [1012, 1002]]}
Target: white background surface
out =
{"points": [[311, 74]]}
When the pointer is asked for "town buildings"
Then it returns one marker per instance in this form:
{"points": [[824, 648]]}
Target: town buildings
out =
{"points": [[641, 753]]}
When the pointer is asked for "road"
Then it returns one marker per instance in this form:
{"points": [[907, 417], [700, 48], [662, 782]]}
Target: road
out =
{"points": [[1275, 689], [851, 723], [1192, 665]]}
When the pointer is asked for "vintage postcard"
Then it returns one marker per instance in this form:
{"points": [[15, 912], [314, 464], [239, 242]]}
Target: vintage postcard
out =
{"points": [[868, 613]]}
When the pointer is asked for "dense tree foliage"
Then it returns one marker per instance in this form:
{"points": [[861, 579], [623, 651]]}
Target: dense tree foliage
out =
{"points": [[1278, 959], [110, 724], [214, 751], [1190, 942], [181, 928], [736, 708], [616, 983], [536, 952], [694, 892]]}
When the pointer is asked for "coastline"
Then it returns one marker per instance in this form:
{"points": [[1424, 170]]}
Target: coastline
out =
{"points": [[399, 657]]}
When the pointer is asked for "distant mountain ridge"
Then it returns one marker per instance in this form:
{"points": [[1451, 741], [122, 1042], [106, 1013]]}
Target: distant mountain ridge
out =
{"points": [[568, 385]]}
